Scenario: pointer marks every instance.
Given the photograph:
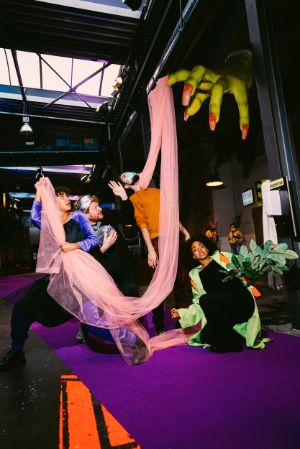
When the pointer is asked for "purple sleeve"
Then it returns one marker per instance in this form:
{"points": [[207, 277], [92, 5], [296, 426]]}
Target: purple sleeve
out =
{"points": [[90, 240], [35, 214]]}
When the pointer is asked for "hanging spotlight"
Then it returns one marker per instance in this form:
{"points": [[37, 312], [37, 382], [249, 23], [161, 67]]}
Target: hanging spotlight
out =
{"points": [[133, 4], [214, 180], [26, 129]]}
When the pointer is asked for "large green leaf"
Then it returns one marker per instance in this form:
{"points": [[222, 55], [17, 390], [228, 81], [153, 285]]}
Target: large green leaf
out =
{"points": [[268, 245], [252, 245], [281, 248], [279, 258], [258, 251], [235, 261], [289, 254], [243, 251]]}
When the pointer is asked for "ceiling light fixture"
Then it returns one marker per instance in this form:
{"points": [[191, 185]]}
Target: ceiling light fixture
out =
{"points": [[214, 180], [26, 129]]}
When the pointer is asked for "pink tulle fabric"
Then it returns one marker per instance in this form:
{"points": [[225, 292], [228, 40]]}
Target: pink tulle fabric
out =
{"points": [[84, 288]]}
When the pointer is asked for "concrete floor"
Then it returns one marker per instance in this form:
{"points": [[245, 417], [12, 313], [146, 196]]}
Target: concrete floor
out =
{"points": [[29, 395]]}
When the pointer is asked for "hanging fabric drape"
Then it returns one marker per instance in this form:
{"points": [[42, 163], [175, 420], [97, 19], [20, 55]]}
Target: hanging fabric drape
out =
{"points": [[84, 288]]}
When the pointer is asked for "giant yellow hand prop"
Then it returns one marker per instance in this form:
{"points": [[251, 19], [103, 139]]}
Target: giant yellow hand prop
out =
{"points": [[234, 77]]}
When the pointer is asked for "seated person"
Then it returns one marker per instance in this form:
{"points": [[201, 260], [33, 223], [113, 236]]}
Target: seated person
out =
{"points": [[112, 252], [225, 307]]}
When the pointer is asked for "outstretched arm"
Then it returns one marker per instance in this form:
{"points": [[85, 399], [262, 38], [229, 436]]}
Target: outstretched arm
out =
{"points": [[118, 190], [152, 256], [126, 213], [234, 77], [36, 209]]}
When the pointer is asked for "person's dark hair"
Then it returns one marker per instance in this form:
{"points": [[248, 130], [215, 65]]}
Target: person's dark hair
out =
{"points": [[210, 226], [188, 259], [133, 180], [233, 224], [62, 189]]}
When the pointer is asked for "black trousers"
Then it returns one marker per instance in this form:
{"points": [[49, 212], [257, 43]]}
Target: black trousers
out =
{"points": [[36, 306], [222, 312]]}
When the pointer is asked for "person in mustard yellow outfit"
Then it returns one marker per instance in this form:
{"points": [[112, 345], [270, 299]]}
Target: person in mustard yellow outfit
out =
{"points": [[223, 304], [235, 238], [212, 233], [146, 203]]}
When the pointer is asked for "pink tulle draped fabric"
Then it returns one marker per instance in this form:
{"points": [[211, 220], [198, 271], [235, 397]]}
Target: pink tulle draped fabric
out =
{"points": [[84, 288]]}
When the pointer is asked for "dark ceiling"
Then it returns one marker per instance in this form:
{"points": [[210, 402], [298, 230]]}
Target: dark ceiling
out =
{"points": [[213, 30]]}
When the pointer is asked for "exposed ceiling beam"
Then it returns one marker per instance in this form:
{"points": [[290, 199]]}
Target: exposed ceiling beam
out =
{"points": [[28, 158], [19, 76], [45, 95], [64, 119]]}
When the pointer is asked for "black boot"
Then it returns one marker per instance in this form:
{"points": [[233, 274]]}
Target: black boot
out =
{"points": [[12, 360]]}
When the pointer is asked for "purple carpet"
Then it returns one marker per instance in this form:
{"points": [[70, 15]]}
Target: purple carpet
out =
{"points": [[11, 286], [187, 397]]}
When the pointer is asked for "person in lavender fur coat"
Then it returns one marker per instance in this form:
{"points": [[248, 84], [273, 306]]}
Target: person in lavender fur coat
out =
{"points": [[37, 305]]}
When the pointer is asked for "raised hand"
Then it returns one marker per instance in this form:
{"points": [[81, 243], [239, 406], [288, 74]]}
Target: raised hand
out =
{"points": [[234, 77], [37, 187], [118, 189]]}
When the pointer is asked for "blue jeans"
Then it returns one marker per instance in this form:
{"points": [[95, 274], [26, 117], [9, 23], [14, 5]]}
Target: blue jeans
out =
{"points": [[235, 248]]}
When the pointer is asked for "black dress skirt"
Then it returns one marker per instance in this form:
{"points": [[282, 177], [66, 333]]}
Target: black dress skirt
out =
{"points": [[37, 304], [225, 304]]}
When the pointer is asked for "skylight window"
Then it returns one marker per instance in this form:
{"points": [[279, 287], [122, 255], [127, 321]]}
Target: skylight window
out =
{"points": [[40, 73]]}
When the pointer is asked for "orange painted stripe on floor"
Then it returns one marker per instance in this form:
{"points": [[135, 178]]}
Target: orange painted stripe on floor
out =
{"points": [[79, 412], [86, 423], [60, 430], [116, 433]]}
